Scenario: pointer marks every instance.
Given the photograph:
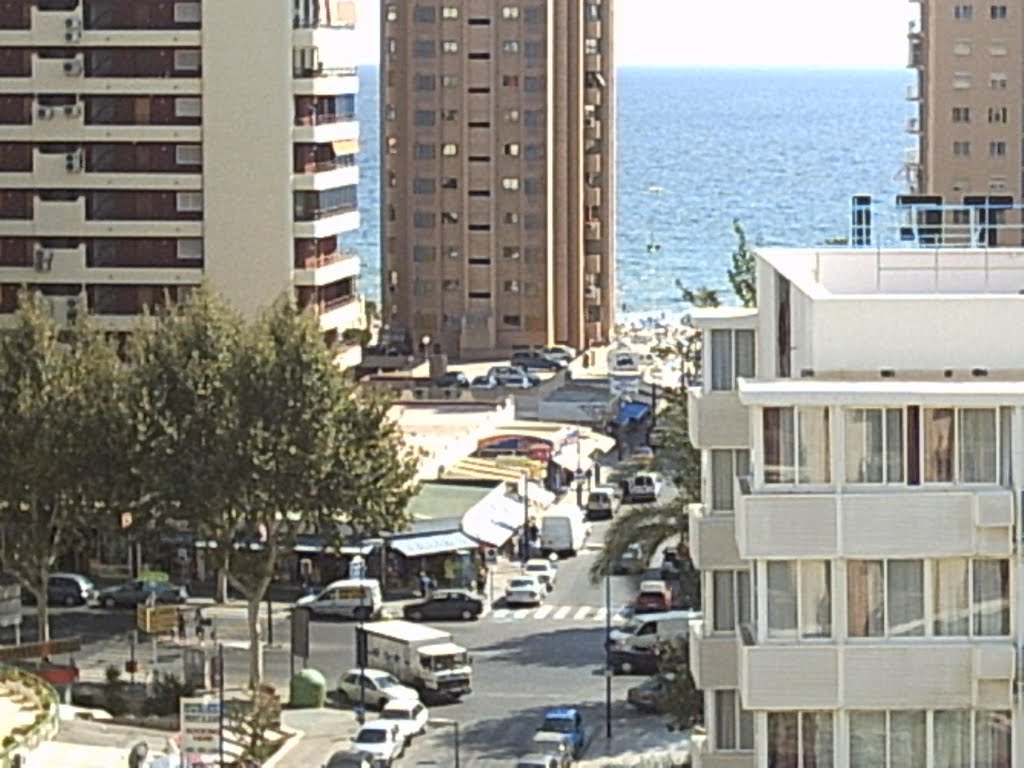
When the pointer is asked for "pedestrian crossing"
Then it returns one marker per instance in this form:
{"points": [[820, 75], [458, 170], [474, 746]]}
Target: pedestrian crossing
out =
{"points": [[553, 613]]}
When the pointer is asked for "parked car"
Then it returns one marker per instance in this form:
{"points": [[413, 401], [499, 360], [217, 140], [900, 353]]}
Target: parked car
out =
{"points": [[643, 486], [525, 590], [647, 697], [511, 377], [446, 604], [133, 593], [566, 724], [381, 739], [634, 661], [632, 560], [65, 589], [654, 597], [358, 599], [559, 352], [483, 382], [643, 453], [350, 758], [410, 716], [603, 502], [544, 570], [538, 760], [456, 379], [536, 360], [380, 687]]}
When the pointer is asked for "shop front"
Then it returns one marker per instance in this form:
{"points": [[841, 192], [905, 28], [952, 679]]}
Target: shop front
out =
{"points": [[449, 559]]}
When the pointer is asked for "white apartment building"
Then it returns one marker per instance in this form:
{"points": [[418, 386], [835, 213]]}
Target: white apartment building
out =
{"points": [[862, 436], [146, 147]]}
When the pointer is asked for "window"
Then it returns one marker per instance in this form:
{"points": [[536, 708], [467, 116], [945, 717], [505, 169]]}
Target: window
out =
{"points": [[424, 49], [449, 115], [997, 149], [726, 466], [510, 46], [510, 286], [188, 154], [731, 599], [732, 355], [514, 321], [533, 14], [961, 114], [421, 186], [734, 727], [424, 14], [894, 739], [510, 252], [996, 12], [533, 187], [959, 445], [533, 49], [187, 106], [512, 150], [510, 183], [189, 201], [187, 13], [424, 117], [391, 12], [511, 81], [533, 84], [531, 221], [424, 83], [424, 151], [533, 118], [511, 217], [997, 81], [186, 60], [971, 597], [997, 114], [962, 148], [885, 598], [449, 81], [450, 46], [593, 12], [899, 738], [796, 445], [961, 80], [534, 152], [424, 219], [510, 12], [874, 445], [450, 286], [999, 49], [799, 598], [449, 150], [963, 12], [962, 48], [449, 182], [512, 116], [450, 217], [800, 739], [424, 253], [449, 12], [190, 249]]}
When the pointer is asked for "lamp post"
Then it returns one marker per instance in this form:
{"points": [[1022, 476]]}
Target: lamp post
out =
{"points": [[525, 553], [607, 651], [380, 542], [446, 722], [361, 653], [425, 344]]}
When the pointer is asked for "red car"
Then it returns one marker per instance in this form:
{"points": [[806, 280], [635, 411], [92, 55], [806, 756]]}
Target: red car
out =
{"points": [[654, 597]]}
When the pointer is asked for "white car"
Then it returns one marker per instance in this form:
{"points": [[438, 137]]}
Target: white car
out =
{"points": [[410, 717], [525, 590], [543, 569], [378, 688], [380, 739]]}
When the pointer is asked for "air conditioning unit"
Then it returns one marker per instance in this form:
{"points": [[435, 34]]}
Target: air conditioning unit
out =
{"points": [[73, 161], [44, 113], [73, 110], [73, 23], [72, 36], [73, 68], [42, 259]]}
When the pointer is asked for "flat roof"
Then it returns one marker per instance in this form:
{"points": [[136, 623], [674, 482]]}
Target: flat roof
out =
{"points": [[443, 500]]}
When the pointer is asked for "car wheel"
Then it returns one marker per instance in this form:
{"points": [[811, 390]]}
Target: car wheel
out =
{"points": [[416, 615], [109, 602], [342, 696], [625, 667], [361, 614], [467, 615], [70, 601]]}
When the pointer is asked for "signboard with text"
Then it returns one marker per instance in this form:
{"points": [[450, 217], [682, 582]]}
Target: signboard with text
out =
{"points": [[200, 730], [157, 619]]}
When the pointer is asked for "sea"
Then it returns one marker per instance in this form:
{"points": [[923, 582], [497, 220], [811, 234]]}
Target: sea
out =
{"points": [[782, 151]]}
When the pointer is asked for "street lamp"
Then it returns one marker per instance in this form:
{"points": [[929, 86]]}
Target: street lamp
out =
{"points": [[425, 344], [607, 651], [441, 722], [525, 480], [361, 653]]}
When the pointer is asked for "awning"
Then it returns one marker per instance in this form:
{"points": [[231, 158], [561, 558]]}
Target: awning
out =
{"points": [[494, 520], [572, 458], [630, 411], [421, 546], [473, 468]]}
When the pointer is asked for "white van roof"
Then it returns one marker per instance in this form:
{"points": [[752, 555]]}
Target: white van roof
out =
{"points": [[365, 583], [686, 615]]}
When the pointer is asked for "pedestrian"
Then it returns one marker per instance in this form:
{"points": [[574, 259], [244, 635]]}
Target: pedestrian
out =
{"points": [[200, 624], [181, 626], [424, 583]]}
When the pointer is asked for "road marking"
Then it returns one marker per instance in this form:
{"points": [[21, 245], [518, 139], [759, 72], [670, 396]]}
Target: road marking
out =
{"points": [[501, 613], [521, 613], [562, 612], [543, 611], [582, 613], [600, 614]]}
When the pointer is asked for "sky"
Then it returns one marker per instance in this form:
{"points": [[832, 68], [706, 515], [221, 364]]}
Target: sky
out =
{"points": [[833, 34]]}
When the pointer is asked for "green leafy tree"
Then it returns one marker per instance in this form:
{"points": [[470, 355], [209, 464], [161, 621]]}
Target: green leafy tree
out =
{"points": [[64, 417], [743, 273], [680, 699]]}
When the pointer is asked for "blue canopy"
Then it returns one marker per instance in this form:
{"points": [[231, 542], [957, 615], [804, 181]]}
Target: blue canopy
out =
{"points": [[630, 411]]}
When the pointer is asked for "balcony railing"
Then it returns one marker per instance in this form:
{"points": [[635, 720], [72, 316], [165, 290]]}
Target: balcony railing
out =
{"points": [[329, 305], [323, 119], [324, 259], [322, 71]]}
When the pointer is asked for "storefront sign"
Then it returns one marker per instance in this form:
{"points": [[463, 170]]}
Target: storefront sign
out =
{"points": [[200, 730]]}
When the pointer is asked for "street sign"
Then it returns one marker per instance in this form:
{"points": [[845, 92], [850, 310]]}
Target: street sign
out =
{"points": [[200, 729], [300, 632], [10, 605], [157, 619]]}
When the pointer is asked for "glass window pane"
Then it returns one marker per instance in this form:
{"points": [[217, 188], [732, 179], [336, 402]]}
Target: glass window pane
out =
{"points": [[778, 445], [813, 443], [724, 610], [894, 445], [864, 445], [978, 445], [815, 598], [781, 599], [950, 597], [743, 601], [783, 740], [938, 449], [746, 728], [865, 607], [742, 463], [867, 739], [722, 479], [952, 729], [744, 353], [816, 739], [725, 719], [907, 739], [721, 360], [991, 604], [992, 739], [905, 588]]}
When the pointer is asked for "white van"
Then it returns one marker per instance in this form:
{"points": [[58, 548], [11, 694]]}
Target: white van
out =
{"points": [[563, 534], [644, 486], [646, 630], [347, 598], [603, 502]]}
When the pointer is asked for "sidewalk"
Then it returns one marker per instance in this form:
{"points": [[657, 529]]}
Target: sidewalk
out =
{"points": [[319, 733]]}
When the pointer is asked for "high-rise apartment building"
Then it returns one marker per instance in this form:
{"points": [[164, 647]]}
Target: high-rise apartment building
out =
{"points": [[969, 59], [148, 146], [862, 438], [498, 172]]}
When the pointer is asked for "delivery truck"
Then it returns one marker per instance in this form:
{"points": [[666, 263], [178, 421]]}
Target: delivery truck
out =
{"points": [[421, 657]]}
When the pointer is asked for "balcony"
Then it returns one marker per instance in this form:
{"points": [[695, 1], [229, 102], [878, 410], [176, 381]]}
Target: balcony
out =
{"points": [[904, 675], [913, 94], [340, 313], [714, 658], [593, 96], [913, 126], [713, 539], [322, 129], [592, 230], [327, 269], [60, 170], [592, 162], [882, 523], [344, 220], [592, 128], [592, 263], [327, 82], [67, 75], [326, 175], [717, 420]]}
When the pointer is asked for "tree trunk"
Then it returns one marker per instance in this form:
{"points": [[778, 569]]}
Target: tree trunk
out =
{"points": [[42, 616], [255, 646], [222, 585]]}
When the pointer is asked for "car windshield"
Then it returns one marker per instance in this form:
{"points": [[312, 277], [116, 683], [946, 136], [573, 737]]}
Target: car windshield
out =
{"points": [[558, 724], [536, 567], [372, 736], [385, 681], [521, 583], [446, 661], [396, 714]]}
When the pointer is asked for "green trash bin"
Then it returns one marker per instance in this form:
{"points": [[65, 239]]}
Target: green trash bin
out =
{"points": [[308, 690]]}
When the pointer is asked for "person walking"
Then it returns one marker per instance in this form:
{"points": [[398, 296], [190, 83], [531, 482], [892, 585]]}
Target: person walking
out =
{"points": [[200, 624]]}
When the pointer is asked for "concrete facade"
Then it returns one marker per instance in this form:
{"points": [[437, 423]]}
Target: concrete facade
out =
{"points": [[149, 147], [498, 173], [860, 572]]}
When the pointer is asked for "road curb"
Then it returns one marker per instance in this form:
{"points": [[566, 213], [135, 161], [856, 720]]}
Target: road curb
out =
{"points": [[294, 739]]}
